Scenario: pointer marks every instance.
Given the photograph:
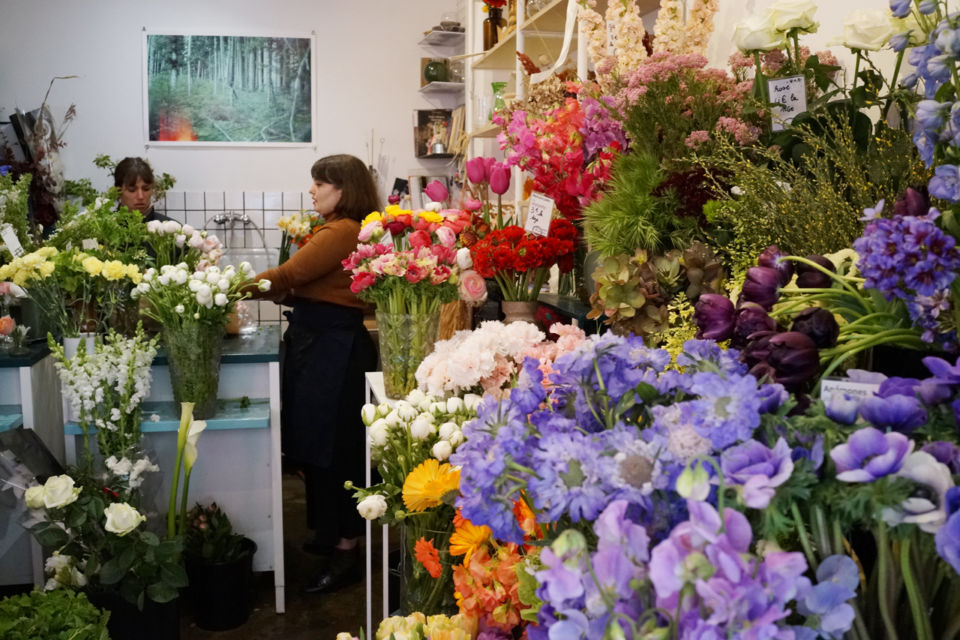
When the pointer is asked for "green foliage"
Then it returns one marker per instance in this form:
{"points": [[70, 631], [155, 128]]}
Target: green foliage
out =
{"points": [[81, 190], [210, 535], [120, 233], [52, 615], [14, 210], [527, 592]]}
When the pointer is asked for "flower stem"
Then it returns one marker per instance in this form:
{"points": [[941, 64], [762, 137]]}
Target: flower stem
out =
{"points": [[884, 568], [802, 535], [921, 617]]}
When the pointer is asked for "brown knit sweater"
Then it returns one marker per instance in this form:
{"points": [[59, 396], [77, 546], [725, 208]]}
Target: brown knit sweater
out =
{"points": [[314, 272]]}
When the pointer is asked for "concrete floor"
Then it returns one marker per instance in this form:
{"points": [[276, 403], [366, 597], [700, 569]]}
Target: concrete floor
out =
{"points": [[308, 616]]}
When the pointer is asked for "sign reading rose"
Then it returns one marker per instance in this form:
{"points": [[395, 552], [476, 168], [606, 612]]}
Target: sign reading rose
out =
{"points": [[122, 518]]}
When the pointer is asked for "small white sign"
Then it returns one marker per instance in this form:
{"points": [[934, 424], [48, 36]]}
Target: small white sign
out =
{"points": [[90, 244], [539, 214], [862, 390], [10, 239], [789, 97]]}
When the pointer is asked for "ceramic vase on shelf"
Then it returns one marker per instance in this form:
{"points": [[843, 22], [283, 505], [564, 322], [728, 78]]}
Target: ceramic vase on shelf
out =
{"points": [[193, 357], [405, 340], [519, 311], [72, 345], [491, 27]]}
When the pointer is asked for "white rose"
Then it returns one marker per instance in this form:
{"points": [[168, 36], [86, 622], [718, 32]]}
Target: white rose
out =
{"points": [[421, 429], [372, 507], [447, 429], [220, 299], [464, 260], [794, 14], [471, 401], [454, 405], [122, 518], [867, 29], [442, 450], [59, 491], [368, 413], [757, 33], [33, 496], [415, 397]]}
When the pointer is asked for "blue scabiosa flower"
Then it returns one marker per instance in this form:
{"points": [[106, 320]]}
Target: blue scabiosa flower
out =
{"points": [[706, 355], [728, 410], [945, 183], [571, 475]]}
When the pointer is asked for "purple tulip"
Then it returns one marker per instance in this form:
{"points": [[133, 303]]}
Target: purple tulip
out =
{"points": [[750, 319], [900, 413], [819, 325], [436, 191], [811, 278], [870, 454], [714, 316], [759, 469], [761, 286], [795, 358], [842, 407], [772, 257], [912, 203], [477, 170], [758, 348], [499, 178]]}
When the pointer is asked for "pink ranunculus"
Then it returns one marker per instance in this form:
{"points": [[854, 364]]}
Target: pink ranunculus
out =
{"points": [[472, 204], [369, 230], [473, 288], [7, 325], [361, 281], [476, 170], [436, 191], [499, 178], [419, 238], [446, 236]]}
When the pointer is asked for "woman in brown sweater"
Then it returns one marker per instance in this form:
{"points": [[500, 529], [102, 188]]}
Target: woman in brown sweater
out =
{"points": [[326, 351]]}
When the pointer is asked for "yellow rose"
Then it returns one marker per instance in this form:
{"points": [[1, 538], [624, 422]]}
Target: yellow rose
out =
{"points": [[114, 270], [45, 269], [92, 265]]}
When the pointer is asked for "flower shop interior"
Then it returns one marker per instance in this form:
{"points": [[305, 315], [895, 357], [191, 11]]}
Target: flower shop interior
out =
{"points": [[480, 319]]}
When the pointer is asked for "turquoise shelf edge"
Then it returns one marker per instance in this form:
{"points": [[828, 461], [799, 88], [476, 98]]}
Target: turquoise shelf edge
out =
{"points": [[10, 416], [230, 415]]}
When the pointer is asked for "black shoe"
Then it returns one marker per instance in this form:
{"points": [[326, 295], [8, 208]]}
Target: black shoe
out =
{"points": [[317, 547], [344, 568]]}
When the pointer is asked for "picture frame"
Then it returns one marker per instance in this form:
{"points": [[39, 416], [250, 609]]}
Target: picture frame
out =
{"points": [[207, 88]]}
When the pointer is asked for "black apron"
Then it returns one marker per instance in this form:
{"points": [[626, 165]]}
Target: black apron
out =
{"points": [[326, 352]]}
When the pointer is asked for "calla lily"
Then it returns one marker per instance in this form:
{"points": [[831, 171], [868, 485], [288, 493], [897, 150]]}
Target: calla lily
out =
{"points": [[190, 448]]}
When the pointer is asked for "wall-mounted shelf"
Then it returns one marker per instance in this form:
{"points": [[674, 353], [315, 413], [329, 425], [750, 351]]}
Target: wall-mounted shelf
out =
{"points": [[441, 88], [488, 131], [443, 38]]}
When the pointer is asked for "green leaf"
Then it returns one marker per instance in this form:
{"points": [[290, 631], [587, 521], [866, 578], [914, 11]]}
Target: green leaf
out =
{"points": [[126, 559], [112, 572], [76, 518], [174, 575], [150, 538], [526, 591], [161, 592], [52, 537]]}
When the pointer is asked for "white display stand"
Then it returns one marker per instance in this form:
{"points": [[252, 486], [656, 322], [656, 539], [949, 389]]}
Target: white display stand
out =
{"points": [[376, 393], [239, 453]]}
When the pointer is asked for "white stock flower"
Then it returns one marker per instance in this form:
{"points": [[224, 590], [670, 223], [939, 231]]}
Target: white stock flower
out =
{"points": [[867, 30], [59, 491], [794, 14], [122, 518], [757, 33], [372, 507], [442, 450], [33, 497]]}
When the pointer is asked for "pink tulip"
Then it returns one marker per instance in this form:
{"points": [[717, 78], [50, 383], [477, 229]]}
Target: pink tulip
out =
{"points": [[487, 166], [436, 191], [477, 170], [499, 178], [472, 204]]}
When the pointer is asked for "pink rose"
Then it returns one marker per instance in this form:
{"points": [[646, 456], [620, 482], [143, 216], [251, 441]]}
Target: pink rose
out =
{"points": [[361, 281], [446, 236], [473, 288], [420, 239], [7, 325]]}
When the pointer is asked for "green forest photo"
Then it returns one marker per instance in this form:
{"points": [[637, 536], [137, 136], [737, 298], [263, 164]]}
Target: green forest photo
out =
{"points": [[228, 89]]}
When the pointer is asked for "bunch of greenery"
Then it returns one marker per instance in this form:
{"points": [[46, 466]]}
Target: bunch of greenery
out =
{"points": [[807, 197], [52, 615], [119, 234], [210, 535], [14, 210]]}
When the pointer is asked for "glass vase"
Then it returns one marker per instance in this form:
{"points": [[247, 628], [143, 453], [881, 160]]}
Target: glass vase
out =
{"points": [[193, 357], [491, 27], [420, 591], [405, 340]]}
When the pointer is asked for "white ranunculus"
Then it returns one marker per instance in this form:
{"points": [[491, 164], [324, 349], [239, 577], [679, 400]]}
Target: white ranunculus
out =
{"points": [[263, 285], [220, 300], [245, 266], [421, 429], [378, 435], [406, 410], [867, 30], [194, 285], [33, 496], [180, 239], [441, 450], [195, 241], [454, 404], [456, 438], [464, 259], [471, 401], [179, 308], [372, 507], [171, 226], [794, 14], [368, 413], [180, 276], [438, 407], [187, 230], [122, 518], [153, 226], [392, 419], [415, 397], [757, 33], [223, 284], [212, 276], [447, 429], [59, 491]]}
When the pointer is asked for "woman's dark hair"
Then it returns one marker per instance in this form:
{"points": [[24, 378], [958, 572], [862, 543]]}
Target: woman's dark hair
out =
{"points": [[129, 169], [359, 195]]}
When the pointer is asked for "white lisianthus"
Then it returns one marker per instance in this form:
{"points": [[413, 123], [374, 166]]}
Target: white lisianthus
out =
{"points": [[220, 300], [421, 429], [794, 14], [454, 405], [372, 507], [59, 491], [867, 30], [441, 450], [471, 401], [447, 429], [757, 33], [415, 397], [122, 518], [33, 497], [368, 413]]}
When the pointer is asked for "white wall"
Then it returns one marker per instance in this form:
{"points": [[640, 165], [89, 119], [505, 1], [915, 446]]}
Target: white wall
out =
{"points": [[367, 73]]}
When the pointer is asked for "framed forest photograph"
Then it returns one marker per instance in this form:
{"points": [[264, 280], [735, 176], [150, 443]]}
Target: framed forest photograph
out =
{"points": [[223, 90]]}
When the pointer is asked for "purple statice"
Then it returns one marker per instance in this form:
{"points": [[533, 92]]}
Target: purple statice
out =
{"points": [[728, 408], [870, 454], [600, 129], [757, 469], [897, 412], [828, 600], [947, 537]]}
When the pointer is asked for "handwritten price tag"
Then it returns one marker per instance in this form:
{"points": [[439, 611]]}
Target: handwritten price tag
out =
{"points": [[539, 214], [789, 97], [612, 36], [9, 237], [90, 244]]}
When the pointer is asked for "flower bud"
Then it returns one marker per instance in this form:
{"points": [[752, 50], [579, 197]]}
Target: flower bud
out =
{"points": [[795, 358], [751, 318], [811, 278], [694, 483], [772, 258], [368, 413], [499, 178], [714, 316], [761, 286], [819, 325], [442, 450], [372, 507]]}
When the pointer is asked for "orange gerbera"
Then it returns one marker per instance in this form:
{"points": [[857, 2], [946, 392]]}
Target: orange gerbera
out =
{"points": [[426, 485], [467, 538], [427, 555]]}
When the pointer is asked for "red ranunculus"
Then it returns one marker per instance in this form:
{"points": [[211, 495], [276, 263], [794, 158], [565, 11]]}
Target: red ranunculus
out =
{"points": [[361, 281], [419, 238]]}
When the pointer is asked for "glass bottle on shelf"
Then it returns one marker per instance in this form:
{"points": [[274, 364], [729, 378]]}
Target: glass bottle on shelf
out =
{"points": [[491, 27], [436, 70], [498, 101]]}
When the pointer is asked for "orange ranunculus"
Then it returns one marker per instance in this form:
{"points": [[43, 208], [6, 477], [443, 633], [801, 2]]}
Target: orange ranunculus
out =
{"points": [[7, 325], [427, 555]]}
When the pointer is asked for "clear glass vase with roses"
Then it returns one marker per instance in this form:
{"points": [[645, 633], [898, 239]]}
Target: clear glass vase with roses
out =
{"points": [[406, 264], [192, 308]]}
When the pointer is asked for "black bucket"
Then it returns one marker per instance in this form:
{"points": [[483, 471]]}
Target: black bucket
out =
{"points": [[221, 591], [157, 621]]}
